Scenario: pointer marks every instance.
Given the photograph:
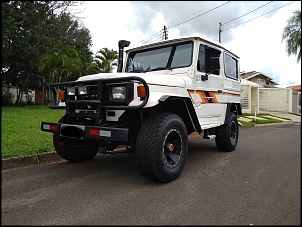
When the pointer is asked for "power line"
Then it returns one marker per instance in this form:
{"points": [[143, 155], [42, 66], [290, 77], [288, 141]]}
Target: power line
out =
{"points": [[258, 16], [152, 37], [156, 38], [142, 41], [199, 15], [248, 13]]}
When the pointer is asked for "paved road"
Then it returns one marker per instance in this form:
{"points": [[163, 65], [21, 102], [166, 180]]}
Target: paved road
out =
{"points": [[259, 183]]}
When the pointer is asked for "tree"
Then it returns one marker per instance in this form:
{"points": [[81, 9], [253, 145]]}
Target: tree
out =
{"points": [[292, 35], [106, 59], [32, 29], [60, 66]]}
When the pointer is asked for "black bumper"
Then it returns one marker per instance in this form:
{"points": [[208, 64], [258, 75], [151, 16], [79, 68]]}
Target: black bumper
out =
{"points": [[86, 132]]}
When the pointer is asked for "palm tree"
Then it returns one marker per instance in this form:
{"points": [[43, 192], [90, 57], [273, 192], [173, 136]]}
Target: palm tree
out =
{"points": [[106, 59], [59, 66], [292, 35]]}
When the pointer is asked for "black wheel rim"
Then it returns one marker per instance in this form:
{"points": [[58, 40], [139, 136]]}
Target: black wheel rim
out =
{"points": [[172, 148], [233, 132]]}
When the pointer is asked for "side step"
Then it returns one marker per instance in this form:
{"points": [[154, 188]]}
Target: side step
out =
{"points": [[207, 136]]}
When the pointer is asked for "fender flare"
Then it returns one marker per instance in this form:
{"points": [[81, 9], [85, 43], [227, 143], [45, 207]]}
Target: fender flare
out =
{"points": [[232, 107], [182, 106]]}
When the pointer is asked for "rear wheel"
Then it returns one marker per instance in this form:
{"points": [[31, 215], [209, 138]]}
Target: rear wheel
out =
{"points": [[162, 147], [227, 138], [74, 150]]}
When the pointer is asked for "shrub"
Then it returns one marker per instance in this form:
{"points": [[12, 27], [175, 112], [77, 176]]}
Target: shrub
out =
{"points": [[7, 96]]}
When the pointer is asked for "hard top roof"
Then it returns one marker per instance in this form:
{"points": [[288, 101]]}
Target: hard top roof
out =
{"points": [[170, 41]]}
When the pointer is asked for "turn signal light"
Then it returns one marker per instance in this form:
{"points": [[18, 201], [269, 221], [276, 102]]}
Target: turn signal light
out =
{"points": [[141, 92], [61, 95]]}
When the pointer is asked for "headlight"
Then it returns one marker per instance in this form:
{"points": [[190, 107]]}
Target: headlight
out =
{"points": [[70, 91], [119, 93], [82, 90]]}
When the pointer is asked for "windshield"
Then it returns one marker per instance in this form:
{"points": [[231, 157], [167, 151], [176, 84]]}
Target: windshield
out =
{"points": [[167, 57]]}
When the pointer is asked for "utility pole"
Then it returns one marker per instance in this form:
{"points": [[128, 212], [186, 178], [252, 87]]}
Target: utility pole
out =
{"points": [[219, 31], [165, 35]]}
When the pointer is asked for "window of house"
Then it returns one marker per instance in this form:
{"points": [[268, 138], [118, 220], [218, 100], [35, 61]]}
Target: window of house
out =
{"points": [[231, 66], [260, 81]]}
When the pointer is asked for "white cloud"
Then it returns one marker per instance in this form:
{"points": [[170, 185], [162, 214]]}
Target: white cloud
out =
{"points": [[257, 41]]}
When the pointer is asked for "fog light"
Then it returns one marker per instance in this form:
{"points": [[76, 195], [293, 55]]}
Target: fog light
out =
{"points": [[82, 90], [70, 91]]}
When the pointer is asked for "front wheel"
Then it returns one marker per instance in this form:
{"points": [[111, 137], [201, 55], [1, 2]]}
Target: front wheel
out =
{"points": [[162, 147], [227, 138]]}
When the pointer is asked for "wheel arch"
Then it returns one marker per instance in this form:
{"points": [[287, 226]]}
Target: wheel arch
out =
{"points": [[183, 107], [232, 107]]}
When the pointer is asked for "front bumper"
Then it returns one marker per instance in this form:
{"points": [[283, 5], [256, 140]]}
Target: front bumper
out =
{"points": [[86, 132]]}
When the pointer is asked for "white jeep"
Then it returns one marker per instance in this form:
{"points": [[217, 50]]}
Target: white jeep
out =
{"points": [[159, 95]]}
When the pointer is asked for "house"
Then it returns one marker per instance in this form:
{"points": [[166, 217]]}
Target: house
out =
{"points": [[259, 78], [28, 96], [259, 94], [249, 96]]}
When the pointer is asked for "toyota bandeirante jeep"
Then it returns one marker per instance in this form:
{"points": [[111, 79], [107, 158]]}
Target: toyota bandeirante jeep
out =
{"points": [[161, 93]]}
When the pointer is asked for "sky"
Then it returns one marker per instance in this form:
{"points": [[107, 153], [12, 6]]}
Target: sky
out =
{"points": [[251, 29]]}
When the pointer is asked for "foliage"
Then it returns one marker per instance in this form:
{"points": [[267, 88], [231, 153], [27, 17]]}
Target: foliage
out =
{"points": [[257, 121], [7, 96], [106, 59], [34, 29], [292, 35]]}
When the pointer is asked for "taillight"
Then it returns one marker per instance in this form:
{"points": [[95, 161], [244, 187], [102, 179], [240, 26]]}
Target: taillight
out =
{"points": [[50, 127], [94, 132]]}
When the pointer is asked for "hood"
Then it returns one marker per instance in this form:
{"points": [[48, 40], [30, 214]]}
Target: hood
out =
{"points": [[152, 79]]}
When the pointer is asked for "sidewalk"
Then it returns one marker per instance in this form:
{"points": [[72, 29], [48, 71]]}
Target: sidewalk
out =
{"points": [[276, 115], [48, 157], [294, 118]]}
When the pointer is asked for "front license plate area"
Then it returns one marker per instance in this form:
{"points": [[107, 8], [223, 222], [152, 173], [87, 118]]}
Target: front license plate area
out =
{"points": [[72, 131]]}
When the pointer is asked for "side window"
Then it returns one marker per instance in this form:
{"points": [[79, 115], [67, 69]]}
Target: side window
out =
{"points": [[230, 66], [204, 59]]}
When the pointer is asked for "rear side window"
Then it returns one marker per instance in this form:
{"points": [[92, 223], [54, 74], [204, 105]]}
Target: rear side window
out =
{"points": [[230, 66]]}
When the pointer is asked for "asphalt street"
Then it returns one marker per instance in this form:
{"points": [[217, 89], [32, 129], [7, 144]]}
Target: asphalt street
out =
{"points": [[257, 184]]}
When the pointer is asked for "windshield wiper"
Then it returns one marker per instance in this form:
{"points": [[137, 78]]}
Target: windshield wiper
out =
{"points": [[149, 69], [136, 71]]}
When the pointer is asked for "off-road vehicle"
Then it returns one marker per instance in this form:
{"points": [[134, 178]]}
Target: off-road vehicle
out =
{"points": [[160, 94]]}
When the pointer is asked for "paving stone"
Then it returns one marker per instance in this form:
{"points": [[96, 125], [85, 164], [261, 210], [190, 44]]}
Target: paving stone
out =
{"points": [[244, 119], [258, 118], [277, 118]]}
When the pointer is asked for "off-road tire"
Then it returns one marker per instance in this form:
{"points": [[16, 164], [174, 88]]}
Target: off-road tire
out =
{"points": [[74, 150], [162, 147], [227, 138]]}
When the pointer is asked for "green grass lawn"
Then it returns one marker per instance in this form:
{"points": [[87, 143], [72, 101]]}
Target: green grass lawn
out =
{"points": [[21, 133], [253, 122]]}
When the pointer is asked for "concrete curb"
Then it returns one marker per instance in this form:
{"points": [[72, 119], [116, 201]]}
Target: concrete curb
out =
{"points": [[18, 162], [49, 157], [281, 123]]}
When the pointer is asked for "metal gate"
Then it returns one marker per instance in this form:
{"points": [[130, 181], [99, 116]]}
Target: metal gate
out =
{"points": [[274, 100]]}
